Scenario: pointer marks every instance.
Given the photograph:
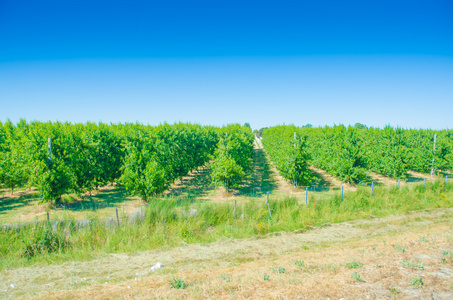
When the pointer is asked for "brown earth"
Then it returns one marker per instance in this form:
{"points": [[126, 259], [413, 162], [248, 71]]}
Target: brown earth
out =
{"points": [[332, 180], [384, 180]]}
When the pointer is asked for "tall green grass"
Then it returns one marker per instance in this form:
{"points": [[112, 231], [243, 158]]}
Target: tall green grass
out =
{"points": [[169, 223]]}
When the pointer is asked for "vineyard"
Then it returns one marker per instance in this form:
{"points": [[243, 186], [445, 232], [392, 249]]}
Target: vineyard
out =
{"points": [[247, 185]]}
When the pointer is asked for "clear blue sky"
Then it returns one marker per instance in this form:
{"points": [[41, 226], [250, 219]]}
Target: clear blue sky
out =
{"points": [[217, 62]]}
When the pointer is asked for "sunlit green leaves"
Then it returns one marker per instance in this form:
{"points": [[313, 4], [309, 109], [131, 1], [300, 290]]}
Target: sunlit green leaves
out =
{"points": [[233, 157], [288, 152]]}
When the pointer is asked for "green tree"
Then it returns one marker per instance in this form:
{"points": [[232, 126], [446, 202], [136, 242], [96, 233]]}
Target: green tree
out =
{"points": [[232, 159]]}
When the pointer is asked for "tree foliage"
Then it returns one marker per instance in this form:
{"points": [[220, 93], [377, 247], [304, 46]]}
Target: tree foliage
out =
{"points": [[157, 156], [232, 158], [288, 152], [347, 152]]}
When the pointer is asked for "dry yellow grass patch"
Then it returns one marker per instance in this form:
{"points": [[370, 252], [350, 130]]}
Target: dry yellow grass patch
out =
{"points": [[390, 261]]}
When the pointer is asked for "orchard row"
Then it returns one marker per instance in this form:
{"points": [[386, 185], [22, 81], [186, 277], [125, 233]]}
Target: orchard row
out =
{"points": [[348, 152], [61, 158]]}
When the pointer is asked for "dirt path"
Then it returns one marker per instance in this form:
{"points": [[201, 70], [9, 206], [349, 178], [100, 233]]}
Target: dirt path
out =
{"points": [[383, 180], [332, 180], [257, 143], [419, 175], [114, 272], [279, 184], [414, 178], [196, 184]]}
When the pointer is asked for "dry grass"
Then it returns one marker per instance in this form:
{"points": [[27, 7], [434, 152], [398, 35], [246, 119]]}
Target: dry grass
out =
{"points": [[325, 251], [324, 275]]}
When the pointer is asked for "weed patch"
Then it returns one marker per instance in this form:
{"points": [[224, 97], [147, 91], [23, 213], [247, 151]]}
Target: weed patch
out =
{"points": [[357, 277], [354, 265], [45, 241], [299, 263], [225, 277], [413, 265], [177, 283], [400, 249], [447, 256], [417, 281]]}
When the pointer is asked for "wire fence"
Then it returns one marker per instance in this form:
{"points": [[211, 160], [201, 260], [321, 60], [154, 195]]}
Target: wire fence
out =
{"points": [[137, 216]]}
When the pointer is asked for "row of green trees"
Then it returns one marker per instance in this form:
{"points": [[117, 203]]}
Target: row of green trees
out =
{"points": [[80, 158], [337, 150], [60, 158], [232, 159], [288, 152], [157, 156], [347, 152]]}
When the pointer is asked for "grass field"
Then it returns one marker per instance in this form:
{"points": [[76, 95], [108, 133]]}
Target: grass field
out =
{"points": [[309, 251]]}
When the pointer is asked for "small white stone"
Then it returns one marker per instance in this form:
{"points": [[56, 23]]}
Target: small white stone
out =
{"points": [[108, 277], [128, 286], [13, 286], [156, 266], [106, 282]]}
